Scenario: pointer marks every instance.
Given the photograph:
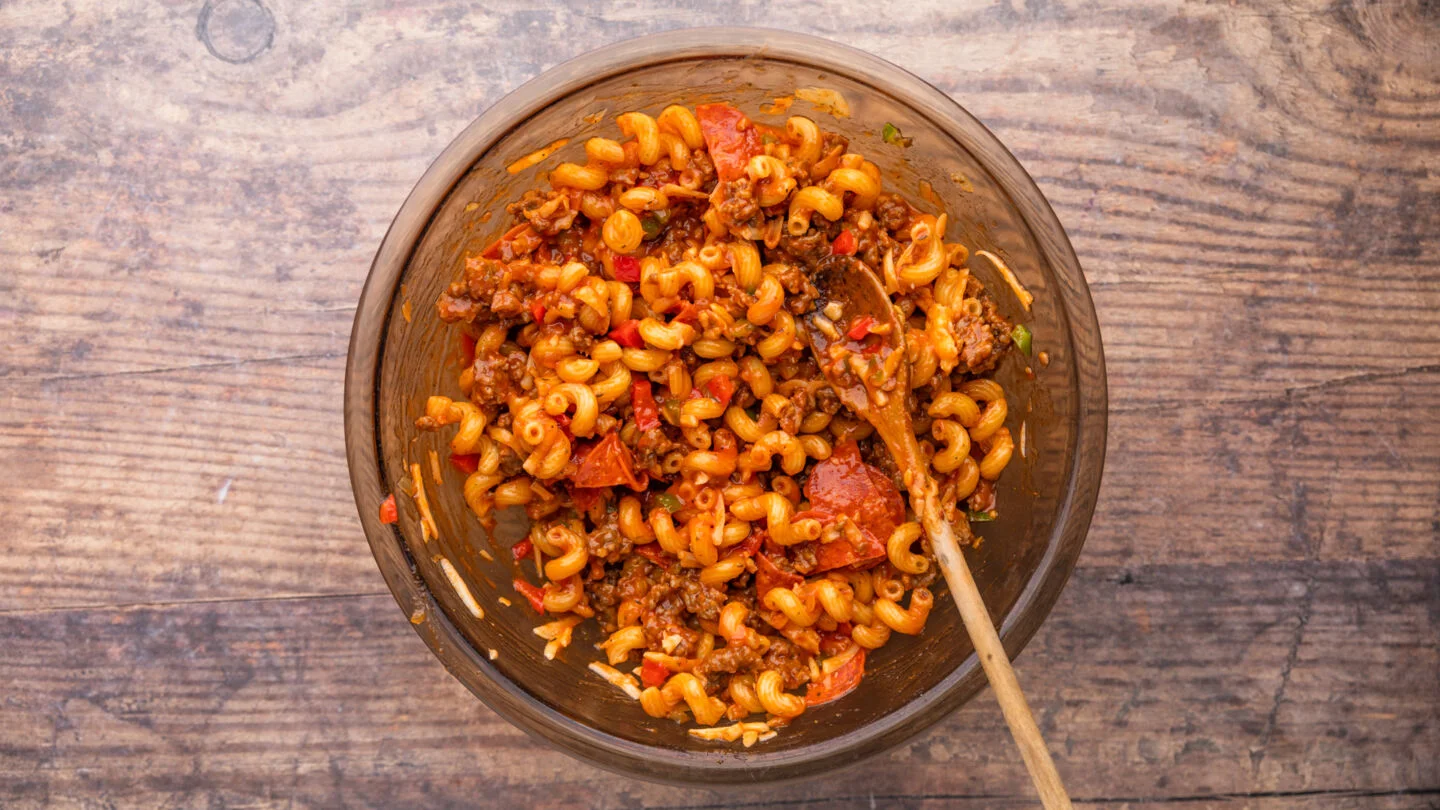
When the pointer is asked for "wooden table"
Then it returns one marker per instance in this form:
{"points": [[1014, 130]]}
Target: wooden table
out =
{"points": [[190, 617]]}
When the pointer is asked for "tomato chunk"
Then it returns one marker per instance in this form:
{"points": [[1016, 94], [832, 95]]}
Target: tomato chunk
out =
{"points": [[532, 593], [837, 684], [845, 485], [730, 137], [768, 575], [627, 334], [653, 673], [642, 400], [388, 512], [584, 498], [844, 244], [627, 268], [606, 463]]}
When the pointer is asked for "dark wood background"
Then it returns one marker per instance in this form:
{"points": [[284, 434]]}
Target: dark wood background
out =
{"points": [[189, 200]]}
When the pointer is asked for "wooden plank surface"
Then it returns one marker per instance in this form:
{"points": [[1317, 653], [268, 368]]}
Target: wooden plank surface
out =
{"points": [[192, 194]]}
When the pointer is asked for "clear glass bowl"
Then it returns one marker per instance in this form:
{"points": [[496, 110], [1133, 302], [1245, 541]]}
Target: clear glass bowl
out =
{"points": [[1047, 497]]}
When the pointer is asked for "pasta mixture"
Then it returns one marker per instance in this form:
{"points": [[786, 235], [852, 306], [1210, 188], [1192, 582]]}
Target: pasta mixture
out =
{"points": [[637, 380]]}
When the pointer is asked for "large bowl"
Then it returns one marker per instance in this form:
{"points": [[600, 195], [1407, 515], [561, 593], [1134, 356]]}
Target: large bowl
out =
{"points": [[395, 362]]}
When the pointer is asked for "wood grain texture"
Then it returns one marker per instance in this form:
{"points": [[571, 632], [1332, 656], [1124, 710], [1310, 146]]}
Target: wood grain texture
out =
{"points": [[334, 701], [190, 194]]}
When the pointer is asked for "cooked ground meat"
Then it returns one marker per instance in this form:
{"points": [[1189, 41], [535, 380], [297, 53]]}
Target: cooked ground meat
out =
{"points": [[730, 659], [454, 309], [788, 660], [983, 339], [893, 212], [498, 378], [738, 207], [807, 248], [606, 542], [548, 212]]}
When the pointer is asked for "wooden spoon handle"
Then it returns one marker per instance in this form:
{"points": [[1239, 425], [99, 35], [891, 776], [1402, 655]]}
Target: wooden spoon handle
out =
{"points": [[993, 657]]}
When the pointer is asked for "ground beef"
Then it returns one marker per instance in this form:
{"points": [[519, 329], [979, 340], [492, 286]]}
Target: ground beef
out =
{"points": [[800, 292], [731, 659], [738, 207], [807, 248], [984, 338], [827, 400], [462, 309], [977, 345], [699, 173], [788, 660], [606, 542], [893, 212], [802, 557], [548, 212], [498, 378], [701, 599]]}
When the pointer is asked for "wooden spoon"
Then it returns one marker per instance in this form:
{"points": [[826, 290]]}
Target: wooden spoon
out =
{"points": [[850, 284]]}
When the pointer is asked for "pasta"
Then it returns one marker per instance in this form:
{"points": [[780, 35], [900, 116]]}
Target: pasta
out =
{"points": [[636, 380]]}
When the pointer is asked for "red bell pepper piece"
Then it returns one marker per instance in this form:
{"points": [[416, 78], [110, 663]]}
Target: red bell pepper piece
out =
{"points": [[627, 269], [467, 463], [522, 549], [533, 594], [388, 512], [627, 334], [860, 327], [844, 244], [730, 137], [642, 400], [653, 673], [537, 311], [721, 387]]}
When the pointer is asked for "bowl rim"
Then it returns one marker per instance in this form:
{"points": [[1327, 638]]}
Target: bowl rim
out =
{"points": [[362, 379]]}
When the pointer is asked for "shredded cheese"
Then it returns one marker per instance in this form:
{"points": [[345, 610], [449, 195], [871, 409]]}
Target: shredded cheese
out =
{"points": [[435, 469], [535, 157], [826, 100], [748, 733], [428, 531], [462, 589], [618, 679], [1026, 299]]}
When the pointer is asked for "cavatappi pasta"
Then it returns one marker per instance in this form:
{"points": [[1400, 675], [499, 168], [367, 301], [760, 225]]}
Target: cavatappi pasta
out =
{"points": [[637, 381]]}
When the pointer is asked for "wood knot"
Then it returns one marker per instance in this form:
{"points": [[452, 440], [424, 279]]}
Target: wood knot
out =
{"points": [[236, 31], [1407, 32]]}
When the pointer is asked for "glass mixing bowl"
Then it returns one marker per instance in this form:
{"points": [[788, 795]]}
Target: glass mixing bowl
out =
{"points": [[1047, 497]]}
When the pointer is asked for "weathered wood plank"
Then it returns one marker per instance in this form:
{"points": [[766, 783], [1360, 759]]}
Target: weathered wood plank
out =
{"points": [[191, 196], [1209, 171], [231, 482], [1170, 678]]}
